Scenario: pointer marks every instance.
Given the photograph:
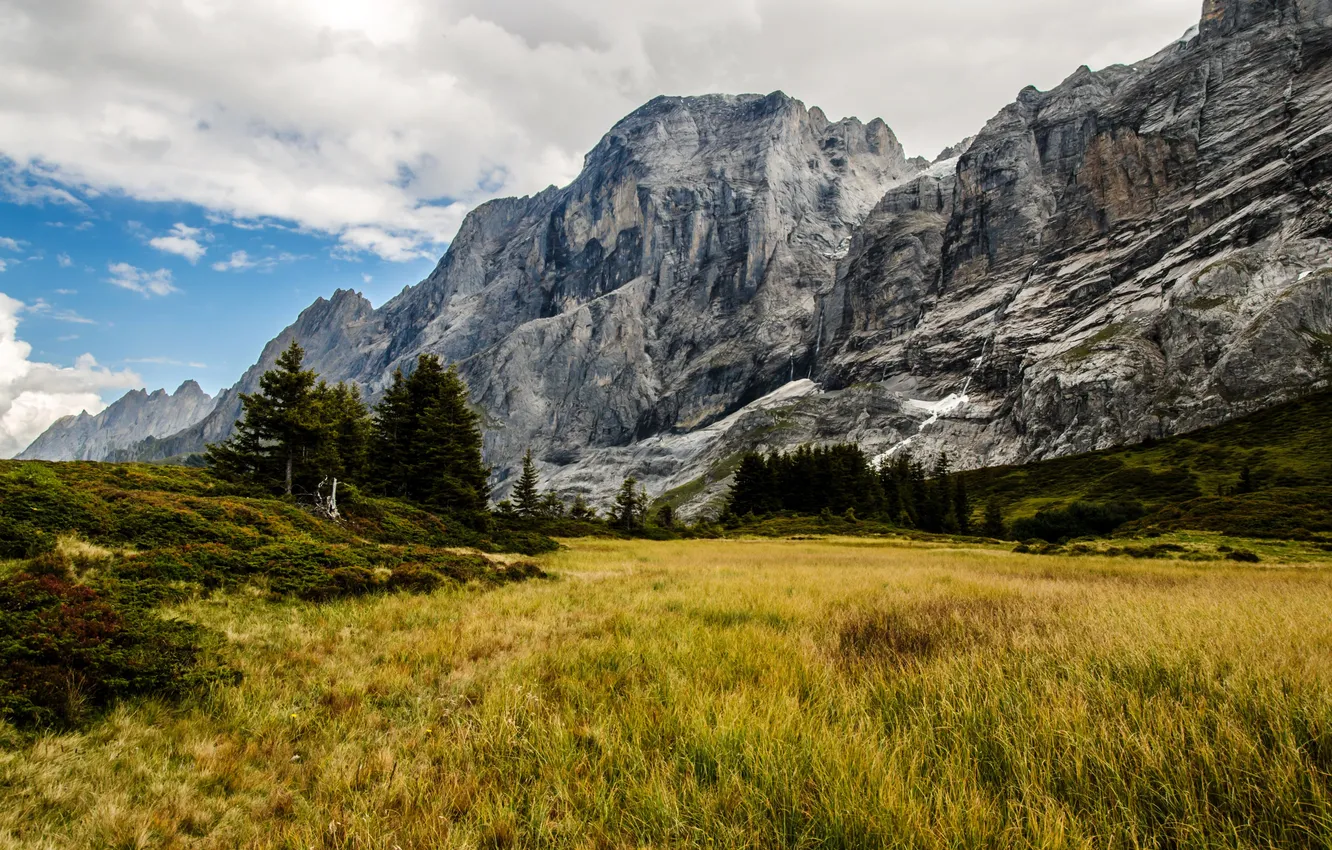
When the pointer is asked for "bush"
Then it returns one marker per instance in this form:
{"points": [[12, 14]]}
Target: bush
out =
{"points": [[1243, 556], [67, 652], [1080, 519]]}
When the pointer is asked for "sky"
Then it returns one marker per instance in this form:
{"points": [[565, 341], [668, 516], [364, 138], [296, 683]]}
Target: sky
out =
{"points": [[180, 178]]}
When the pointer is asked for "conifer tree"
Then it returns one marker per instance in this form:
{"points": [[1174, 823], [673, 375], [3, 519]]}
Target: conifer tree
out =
{"points": [[581, 510], [1246, 482], [994, 519], [526, 495], [449, 473], [427, 442], [279, 433], [753, 488], [961, 504], [552, 506], [631, 505], [391, 441]]}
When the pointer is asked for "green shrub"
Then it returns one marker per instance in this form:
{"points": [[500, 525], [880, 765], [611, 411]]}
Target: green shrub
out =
{"points": [[1080, 519], [67, 652], [1244, 556]]}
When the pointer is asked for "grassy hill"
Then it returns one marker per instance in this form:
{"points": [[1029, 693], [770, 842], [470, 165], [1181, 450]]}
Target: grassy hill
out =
{"points": [[90, 552], [1192, 481]]}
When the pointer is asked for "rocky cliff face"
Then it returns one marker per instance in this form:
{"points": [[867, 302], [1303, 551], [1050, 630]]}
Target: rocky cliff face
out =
{"points": [[134, 417], [671, 284], [1140, 251]]}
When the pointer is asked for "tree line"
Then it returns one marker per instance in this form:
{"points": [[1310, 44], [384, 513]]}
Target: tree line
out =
{"points": [[842, 480], [629, 512], [422, 442]]}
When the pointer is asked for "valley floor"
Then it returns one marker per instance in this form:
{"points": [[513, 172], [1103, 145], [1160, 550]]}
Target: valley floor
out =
{"points": [[828, 693]]}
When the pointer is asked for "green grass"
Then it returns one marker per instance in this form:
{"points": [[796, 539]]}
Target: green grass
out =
{"points": [[843, 693], [151, 507], [91, 552], [1186, 481]]}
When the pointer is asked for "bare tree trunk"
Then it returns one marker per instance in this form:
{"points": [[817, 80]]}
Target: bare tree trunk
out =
{"points": [[289, 465]]}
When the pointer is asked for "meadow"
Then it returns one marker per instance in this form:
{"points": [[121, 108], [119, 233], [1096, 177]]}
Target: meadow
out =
{"points": [[730, 693]]}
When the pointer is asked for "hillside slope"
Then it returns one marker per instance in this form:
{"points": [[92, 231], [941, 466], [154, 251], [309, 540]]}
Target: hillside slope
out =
{"points": [[1197, 481]]}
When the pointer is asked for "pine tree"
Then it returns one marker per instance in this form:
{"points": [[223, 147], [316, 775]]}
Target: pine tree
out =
{"points": [[449, 473], [630, 505], [526, 495], [961, 504], [342, 448], [280, 429], [1246, 482], [391, 441], [752, 491], [666, 517], [994, 520], [581, 510], [552, 506], [427, 442]]}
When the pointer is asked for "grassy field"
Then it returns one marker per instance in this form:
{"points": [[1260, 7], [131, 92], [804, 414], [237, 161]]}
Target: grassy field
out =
{"points": [[825, 693]]}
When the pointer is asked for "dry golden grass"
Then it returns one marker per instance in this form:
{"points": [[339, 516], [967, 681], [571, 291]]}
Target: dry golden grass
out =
{"points": [[841, 693]]}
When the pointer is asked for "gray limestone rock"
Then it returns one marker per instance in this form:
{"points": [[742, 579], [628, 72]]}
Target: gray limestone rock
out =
{"points": [[136, 416]]}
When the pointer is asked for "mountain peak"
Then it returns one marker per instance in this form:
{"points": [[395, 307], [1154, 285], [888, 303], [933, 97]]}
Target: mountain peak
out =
{"points": [[189, 388]]}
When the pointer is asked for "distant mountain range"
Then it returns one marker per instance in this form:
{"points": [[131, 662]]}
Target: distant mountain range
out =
{"points": [[134, 418], [1141, 251]]}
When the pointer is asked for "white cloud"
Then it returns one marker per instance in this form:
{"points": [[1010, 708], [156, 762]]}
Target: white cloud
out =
{"points": [[143, 282], [182, 241], [64, 261], [34, 395], [368, 278], [3, 266], [356, 117], [239, 261], [42, 308], [9, 244]]}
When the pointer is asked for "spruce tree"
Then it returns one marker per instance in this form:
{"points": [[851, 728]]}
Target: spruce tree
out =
{"points": [[427, 442], [552, 506], [581, 510], [994, 519], [391, 441], [526, 495], [280, 429], [448, 473], [752, 490], [961, 504], [1246, 482], [630, 505]]}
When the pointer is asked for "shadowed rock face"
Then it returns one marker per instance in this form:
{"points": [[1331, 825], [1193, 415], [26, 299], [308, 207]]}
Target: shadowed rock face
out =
{"points": [[1140, 251], [135, 416]]}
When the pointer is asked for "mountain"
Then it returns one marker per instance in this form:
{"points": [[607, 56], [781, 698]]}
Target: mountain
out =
{"points": [[1142, 251], [136, 416]]}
